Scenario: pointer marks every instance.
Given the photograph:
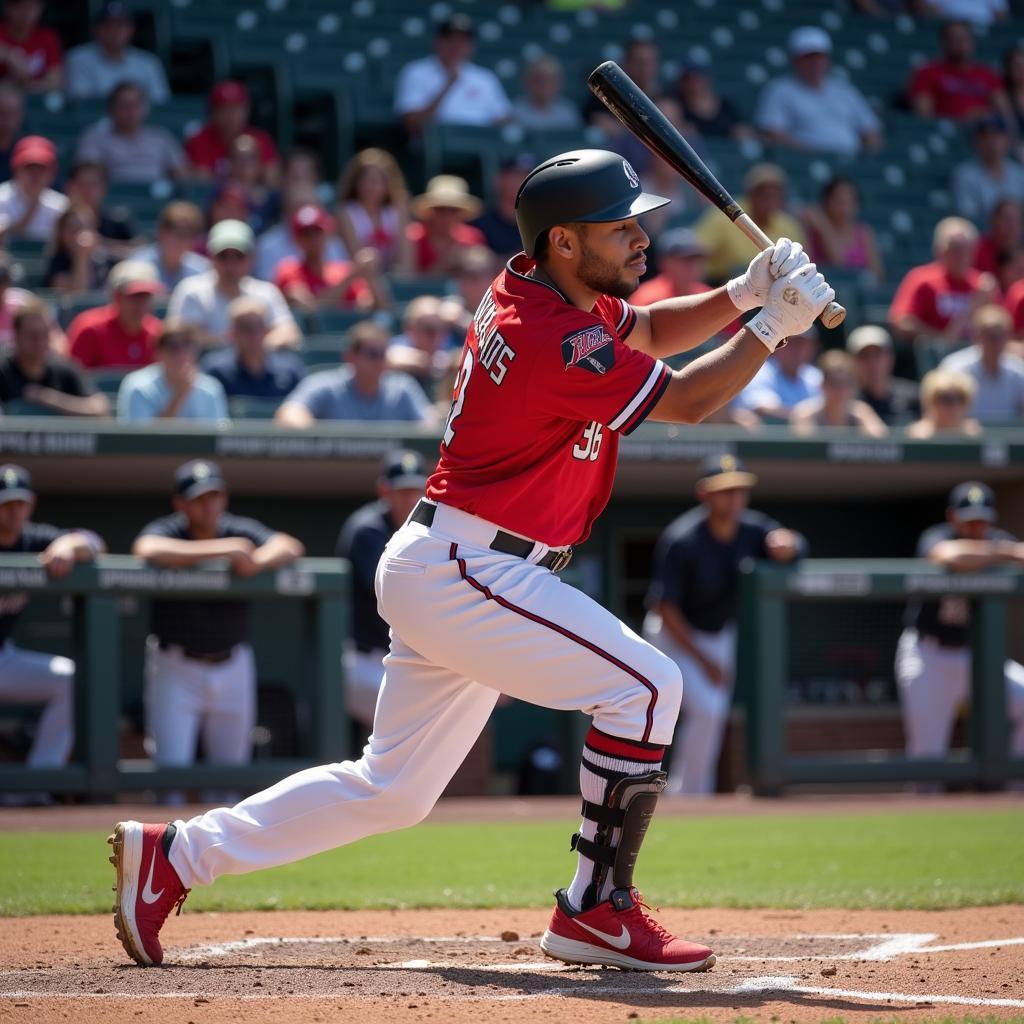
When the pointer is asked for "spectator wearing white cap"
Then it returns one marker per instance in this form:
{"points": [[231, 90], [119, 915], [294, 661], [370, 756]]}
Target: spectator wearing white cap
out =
{"points": [[813, 108], [894, 399], [998, 376], [204, 299]]}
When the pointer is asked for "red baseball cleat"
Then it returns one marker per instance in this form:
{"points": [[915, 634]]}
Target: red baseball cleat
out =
{"points": [[618, 933], [148, 888]]}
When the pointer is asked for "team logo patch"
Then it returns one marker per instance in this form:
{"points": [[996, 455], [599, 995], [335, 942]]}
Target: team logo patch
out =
{"points": [[631, 175], [590, 349]]}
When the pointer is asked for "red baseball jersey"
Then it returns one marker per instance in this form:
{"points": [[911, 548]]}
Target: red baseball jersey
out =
{"points": [[543, 392]]}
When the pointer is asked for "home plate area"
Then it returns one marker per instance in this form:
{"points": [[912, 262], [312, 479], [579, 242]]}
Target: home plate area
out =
{"points": [[849, 971]]}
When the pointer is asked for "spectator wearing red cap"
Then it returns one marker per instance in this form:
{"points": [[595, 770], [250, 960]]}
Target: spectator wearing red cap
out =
{"points": [[315, 282], [130, 149], [208, 149], [29, 208], [30, 53], [124, 332]]}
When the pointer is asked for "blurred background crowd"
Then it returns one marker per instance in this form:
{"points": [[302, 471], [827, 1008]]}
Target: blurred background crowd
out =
{"points": [[289, 210]]}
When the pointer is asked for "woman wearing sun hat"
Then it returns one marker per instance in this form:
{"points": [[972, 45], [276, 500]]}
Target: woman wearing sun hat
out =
{"points": [[440, 230]]}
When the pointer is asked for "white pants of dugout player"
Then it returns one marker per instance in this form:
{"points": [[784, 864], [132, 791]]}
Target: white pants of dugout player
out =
{"points": [[467, 623], [184, 695], [364, 671], [933, 682], [31, 677], [705, 706]]}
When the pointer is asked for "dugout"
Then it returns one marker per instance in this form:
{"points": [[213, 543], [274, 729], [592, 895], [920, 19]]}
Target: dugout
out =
{"points": [[851, 497]]}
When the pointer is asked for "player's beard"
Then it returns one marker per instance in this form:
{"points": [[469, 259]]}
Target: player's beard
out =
{"points": [[601, 275]]}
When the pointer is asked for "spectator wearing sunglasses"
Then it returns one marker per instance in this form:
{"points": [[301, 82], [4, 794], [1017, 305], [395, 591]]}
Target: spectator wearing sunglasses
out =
{"points": [[362, 389], [838, 404], [946, 397], [172, 387], [204, 299]]}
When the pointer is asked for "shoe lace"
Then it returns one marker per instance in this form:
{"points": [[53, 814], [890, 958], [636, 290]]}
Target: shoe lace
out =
{"points": [[646, 911], [179, 901]]}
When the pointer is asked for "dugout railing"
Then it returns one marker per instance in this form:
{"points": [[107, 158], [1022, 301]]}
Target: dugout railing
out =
{"points": [[767, 594], [97, 771]]}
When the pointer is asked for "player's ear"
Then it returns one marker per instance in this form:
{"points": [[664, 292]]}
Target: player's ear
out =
{"points": [[562, 242]]}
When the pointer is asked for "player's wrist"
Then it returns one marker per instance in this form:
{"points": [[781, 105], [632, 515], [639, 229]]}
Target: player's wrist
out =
{"points": [[769, 328]]}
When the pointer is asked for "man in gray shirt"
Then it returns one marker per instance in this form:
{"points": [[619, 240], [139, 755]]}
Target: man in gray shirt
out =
{"points": [[980, 183], [126, 146], [93, 69], [813, 108], [999, 376], [362, 390]]}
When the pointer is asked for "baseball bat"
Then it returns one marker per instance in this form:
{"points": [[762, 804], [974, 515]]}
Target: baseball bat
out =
{"points": [[628, 102]]}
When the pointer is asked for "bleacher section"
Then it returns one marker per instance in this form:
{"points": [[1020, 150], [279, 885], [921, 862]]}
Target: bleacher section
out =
{"points": [[323, 73]]}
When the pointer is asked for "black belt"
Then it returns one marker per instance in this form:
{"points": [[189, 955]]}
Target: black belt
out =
{"points": [[208, 657], [506, 543]]}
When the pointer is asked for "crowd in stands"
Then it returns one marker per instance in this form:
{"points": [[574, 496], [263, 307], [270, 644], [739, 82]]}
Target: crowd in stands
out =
{"points": [[257, 272]]}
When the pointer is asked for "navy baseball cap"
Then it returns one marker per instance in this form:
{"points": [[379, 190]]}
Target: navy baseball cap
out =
{"points": [[403, 469], [198, 477], [973, 500], [723, 473], [114, 11], [15, 484]]}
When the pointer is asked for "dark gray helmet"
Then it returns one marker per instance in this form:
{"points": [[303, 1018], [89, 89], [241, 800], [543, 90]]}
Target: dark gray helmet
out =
{"points": [[590, 185]]}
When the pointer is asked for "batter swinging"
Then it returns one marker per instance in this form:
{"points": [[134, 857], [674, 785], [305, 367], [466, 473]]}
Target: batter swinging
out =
{"points": [[555, 367]]}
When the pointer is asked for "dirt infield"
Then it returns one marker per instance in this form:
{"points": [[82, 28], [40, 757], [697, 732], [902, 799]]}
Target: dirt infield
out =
{"points": [[460, 966], [406, 966]]}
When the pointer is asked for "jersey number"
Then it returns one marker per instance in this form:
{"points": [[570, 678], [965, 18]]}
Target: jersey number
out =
{"points": [[589, 445], [461, 383]]}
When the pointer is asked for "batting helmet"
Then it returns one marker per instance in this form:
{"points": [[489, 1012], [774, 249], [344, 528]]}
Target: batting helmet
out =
{"points": [[589, 185]]}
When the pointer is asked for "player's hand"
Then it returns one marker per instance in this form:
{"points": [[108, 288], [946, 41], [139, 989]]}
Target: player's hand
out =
{"points": [[794, 303], [781, 545], [243, 564], [750, 290], [59, 559]]}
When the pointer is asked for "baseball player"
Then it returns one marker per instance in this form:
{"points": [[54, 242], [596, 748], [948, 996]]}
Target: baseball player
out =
{"points": [[692, 607], [933, 656], [32, 677], [362, 541], [556, 365], [200, 670]]}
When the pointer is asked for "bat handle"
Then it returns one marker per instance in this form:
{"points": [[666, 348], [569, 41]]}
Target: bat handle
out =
{"points": [[833, 314]]}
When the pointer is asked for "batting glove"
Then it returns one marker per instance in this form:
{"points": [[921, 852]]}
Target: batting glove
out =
{"points": [[794, 303], [750, 290]]}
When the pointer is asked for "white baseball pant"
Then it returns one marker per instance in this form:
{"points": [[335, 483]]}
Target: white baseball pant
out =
{"points": [[933, 682], [364, 672], [705, 709], [467, 623], [184, 696], [32, 677]]}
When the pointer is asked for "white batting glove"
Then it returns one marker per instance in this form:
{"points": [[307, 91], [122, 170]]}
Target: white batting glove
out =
{"points": [[750, 290], [794, 303]]}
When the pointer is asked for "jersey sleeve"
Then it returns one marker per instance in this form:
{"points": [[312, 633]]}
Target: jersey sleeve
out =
{"points": [[668, 580], [587, 373], [250, 529], [930, 538]]}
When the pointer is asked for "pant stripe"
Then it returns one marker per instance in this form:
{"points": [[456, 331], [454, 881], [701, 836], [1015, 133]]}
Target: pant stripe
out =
{"points": [[497, 598]]}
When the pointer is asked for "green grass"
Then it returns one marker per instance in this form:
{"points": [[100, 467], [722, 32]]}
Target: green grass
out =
{"points": [[926, 859]]}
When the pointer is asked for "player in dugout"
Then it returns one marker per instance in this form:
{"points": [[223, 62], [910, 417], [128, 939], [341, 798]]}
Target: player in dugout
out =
{"points": [[693, 603]]}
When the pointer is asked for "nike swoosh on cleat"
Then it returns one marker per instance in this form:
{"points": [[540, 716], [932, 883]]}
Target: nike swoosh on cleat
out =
{"points": [[148, 896], [619, 942]]}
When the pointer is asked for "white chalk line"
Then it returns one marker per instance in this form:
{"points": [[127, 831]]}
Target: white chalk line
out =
{"points": [[751, 986], [886, 945]]}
